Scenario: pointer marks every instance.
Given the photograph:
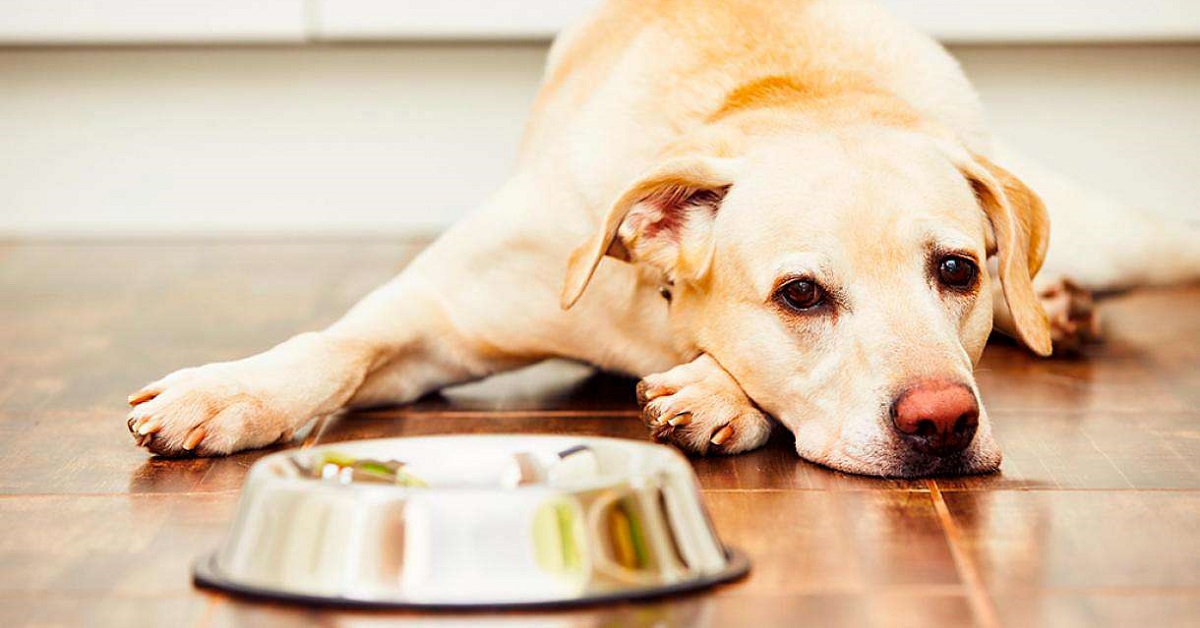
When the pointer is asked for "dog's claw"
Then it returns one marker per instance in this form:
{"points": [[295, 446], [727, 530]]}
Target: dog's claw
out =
{"points": [[194, 438], [642, 389], [683, 418], [722, 435], [699, 408], [141, 396]]}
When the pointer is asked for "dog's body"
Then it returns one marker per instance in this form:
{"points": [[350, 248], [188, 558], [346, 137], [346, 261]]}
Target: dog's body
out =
{"points": [[652, 115]]}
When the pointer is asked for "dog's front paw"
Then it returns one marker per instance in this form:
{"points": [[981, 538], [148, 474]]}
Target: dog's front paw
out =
{"points": [[1072, 314], [225, 407], [205, 411], [698, 407]]}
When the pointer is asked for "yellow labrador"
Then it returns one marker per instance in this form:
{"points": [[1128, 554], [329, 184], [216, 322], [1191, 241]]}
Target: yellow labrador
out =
{"points": [[787, 210]]}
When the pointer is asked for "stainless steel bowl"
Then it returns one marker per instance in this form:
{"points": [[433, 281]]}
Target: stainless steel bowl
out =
{"points": [[471, 521]]}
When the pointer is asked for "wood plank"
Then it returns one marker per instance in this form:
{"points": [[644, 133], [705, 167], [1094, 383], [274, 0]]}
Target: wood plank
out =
{"points": [[1102, 450], [821, 542], [1092, 450], [85, 324], [1135, 541], [1097, 610], [1162, 327], [135, 545], [79, 452], [1012, 380], [73, 609], [889, 608]]}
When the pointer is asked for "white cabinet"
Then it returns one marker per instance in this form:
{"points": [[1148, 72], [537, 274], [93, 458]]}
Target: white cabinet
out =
{"points": [[445, 19], [34, 22], [1008, 21]]}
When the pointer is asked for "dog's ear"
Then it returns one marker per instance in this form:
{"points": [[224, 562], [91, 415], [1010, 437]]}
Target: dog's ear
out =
{"points": [[1022, 231], [663, 219]]}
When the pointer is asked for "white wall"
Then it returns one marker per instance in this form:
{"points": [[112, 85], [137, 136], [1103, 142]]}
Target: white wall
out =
{"points": [[1123, 119], [398, 138]]}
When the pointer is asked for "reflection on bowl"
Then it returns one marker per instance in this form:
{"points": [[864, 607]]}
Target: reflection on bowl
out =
{"points": [[470, 521]]}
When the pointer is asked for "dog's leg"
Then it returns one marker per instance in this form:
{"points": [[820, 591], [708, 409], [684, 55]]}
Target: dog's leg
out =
{"points": [[1074, 321], [225, 407], [470, 305], [394, 346], [700, 408]]}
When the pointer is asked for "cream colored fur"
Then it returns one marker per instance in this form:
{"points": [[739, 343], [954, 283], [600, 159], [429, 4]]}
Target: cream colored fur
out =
{"points": [[827, 140]]}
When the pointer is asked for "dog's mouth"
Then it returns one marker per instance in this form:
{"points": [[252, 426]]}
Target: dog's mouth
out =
{"points": [[956, 465], [899, 462]]}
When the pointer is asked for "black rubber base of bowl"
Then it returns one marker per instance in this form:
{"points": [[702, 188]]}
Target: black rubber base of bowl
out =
{"points": [[205, 575]]}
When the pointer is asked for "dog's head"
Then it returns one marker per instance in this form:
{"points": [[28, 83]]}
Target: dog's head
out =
{"points": [[841, 278]]}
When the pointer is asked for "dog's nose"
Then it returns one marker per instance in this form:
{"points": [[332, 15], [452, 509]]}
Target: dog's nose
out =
{"points": [[936, 417]]}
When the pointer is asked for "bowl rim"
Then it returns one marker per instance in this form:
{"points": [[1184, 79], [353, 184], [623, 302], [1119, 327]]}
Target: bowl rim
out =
{"points": [[206, 575], [667, 453]]}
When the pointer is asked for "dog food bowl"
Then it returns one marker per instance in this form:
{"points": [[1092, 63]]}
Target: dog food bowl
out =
{"points": [[470, 522]]}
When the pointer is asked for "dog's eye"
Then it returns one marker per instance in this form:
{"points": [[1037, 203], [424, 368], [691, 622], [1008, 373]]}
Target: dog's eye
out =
{"points": [[801, 294], [956, 272]]}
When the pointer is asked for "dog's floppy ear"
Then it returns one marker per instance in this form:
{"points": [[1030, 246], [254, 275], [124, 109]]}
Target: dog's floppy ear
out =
{"points": [[1022, 231], [658, 219]]}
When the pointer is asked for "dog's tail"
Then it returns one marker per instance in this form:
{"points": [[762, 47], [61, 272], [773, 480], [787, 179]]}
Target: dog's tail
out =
{"points": [[1102, 244]]}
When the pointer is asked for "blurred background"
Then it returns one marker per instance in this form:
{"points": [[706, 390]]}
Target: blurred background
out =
{"points": [[151, 117]]}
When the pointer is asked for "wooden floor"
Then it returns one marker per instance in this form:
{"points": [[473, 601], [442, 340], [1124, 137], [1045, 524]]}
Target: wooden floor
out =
{"points": [[1095, 519]]}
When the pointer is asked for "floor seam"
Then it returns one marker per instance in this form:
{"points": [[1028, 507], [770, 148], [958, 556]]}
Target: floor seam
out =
{"points": [[982, 605]]}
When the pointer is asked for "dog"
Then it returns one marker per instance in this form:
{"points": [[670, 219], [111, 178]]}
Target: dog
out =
{"points": [[770, 211]]}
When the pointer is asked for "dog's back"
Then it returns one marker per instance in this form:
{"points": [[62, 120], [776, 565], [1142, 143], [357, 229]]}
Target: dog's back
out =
{"points": [[639, 73]]}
